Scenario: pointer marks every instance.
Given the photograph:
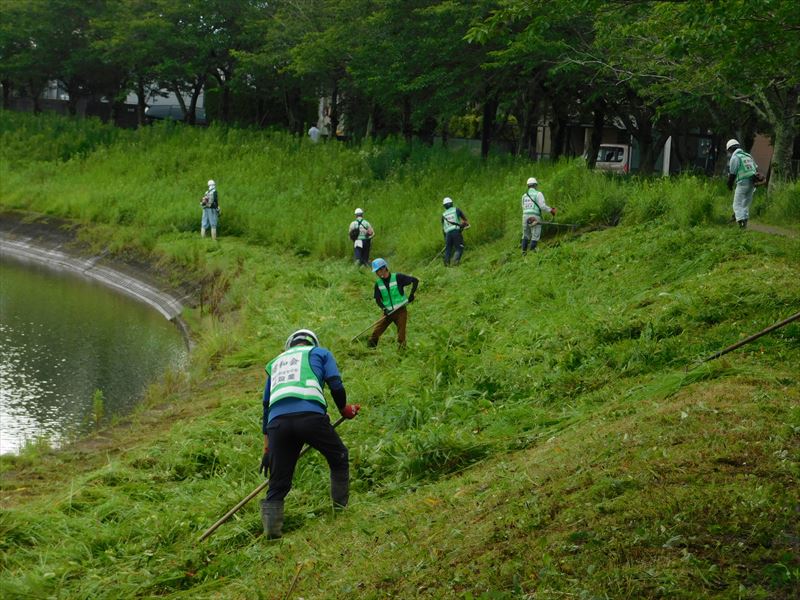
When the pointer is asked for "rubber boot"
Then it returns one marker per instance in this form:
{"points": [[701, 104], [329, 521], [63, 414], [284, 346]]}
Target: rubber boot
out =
{"points": [[272, 518], [524, 246], [533, 245], [340, 489], [214, 233], [743, 224], [203, 232]]}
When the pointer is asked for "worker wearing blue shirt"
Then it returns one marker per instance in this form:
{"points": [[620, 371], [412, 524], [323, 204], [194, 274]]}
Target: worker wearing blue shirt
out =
{"points": [[295, 413]]}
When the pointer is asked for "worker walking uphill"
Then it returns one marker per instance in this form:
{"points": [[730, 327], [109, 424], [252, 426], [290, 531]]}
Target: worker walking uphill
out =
{"points": [[361, 234], [210, 204], [742, 171], [295, 414], [532, 206], [453, 222], [391, 299]]}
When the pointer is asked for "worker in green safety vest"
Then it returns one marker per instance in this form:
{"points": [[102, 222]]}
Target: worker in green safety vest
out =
{"points": [[533, 205], [742, 170], [295, 413], [391, 298], [361, 234], [453, 222]]}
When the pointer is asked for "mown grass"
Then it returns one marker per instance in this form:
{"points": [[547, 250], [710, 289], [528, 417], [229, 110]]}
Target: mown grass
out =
{"points": [[541, 436]]}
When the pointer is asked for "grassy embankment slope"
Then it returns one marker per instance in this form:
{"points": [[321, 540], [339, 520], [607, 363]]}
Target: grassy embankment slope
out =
{"points": [[539, 438]]}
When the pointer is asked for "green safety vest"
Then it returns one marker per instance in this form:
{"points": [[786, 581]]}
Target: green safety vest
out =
{"points": [[291, 375], [747, 166], [391, 299], [451, 220], [529, 205]]}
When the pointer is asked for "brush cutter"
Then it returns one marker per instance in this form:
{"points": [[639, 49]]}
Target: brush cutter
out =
{"points": [[438, 254], [552, 223], [251, 495], [363, 331]]}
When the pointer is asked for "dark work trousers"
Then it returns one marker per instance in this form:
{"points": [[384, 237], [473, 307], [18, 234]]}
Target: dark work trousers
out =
{"points": [[399, 318], [287, 434], [361, 255], [453, 246]]}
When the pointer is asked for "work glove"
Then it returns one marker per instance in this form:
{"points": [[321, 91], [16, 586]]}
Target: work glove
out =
{"points": [[350, 410], [553, 211], [264, 468]]}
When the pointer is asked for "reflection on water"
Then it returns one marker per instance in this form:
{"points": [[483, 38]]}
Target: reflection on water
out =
{"points": [[62, 338]]}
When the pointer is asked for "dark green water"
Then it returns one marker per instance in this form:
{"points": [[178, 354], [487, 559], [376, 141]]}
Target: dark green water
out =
{"points": [[63, 337]]}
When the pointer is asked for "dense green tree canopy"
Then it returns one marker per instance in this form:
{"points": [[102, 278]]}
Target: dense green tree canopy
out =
{"points": [[411, 66]]}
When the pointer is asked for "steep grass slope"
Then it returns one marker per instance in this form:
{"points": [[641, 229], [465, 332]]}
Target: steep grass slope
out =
{"points": [[541, 437]]}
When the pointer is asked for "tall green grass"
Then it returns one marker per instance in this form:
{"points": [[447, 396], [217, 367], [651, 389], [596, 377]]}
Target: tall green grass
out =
{"points": [[280, 190], [539, 437]]}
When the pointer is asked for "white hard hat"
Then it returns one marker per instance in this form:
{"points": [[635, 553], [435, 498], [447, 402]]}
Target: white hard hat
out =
{"points": [[447, 201], [359, 211], [302, 335], [211, 183], [731, 143], [532, 181]]}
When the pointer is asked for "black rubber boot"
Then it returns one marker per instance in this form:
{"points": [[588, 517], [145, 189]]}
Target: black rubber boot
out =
{"points": [[272, 518], [340, 489], [533, 245], [743, 224], [524, 246]]}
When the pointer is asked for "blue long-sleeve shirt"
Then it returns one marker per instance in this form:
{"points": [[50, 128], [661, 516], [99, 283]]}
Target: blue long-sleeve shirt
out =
{"points": [[324, 366]]}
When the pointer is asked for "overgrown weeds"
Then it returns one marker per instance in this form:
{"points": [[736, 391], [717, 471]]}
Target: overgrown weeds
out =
{"points": [[540, 435]]}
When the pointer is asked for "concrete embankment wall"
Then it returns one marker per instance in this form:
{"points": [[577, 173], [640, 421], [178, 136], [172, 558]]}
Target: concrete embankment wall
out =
{"points": [[47, 244]]}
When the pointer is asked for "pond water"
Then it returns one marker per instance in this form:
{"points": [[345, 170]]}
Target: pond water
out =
{"points": [[62, 338]]}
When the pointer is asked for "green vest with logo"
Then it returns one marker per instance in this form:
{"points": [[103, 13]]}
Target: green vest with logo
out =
{"points": [[291, 376], [391, 299], [451, 220], [529, 206], [747, 166]]}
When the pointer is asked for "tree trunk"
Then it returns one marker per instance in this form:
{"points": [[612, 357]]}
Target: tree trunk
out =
{"points": [[287, 106], [72, 103], [141, 104], [223, 77], [176, 89], [334, 110], [680, 145], [35, 92], [783, 144], [428, 130], [557, 134], [6, 94], [647, 147], [199, 83], [598, 122], [408, 131], [487, 127], [370, 122], [527, 139]]}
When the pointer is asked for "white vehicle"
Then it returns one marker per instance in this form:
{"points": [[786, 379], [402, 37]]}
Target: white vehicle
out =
{"points": [[615, 158]]}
